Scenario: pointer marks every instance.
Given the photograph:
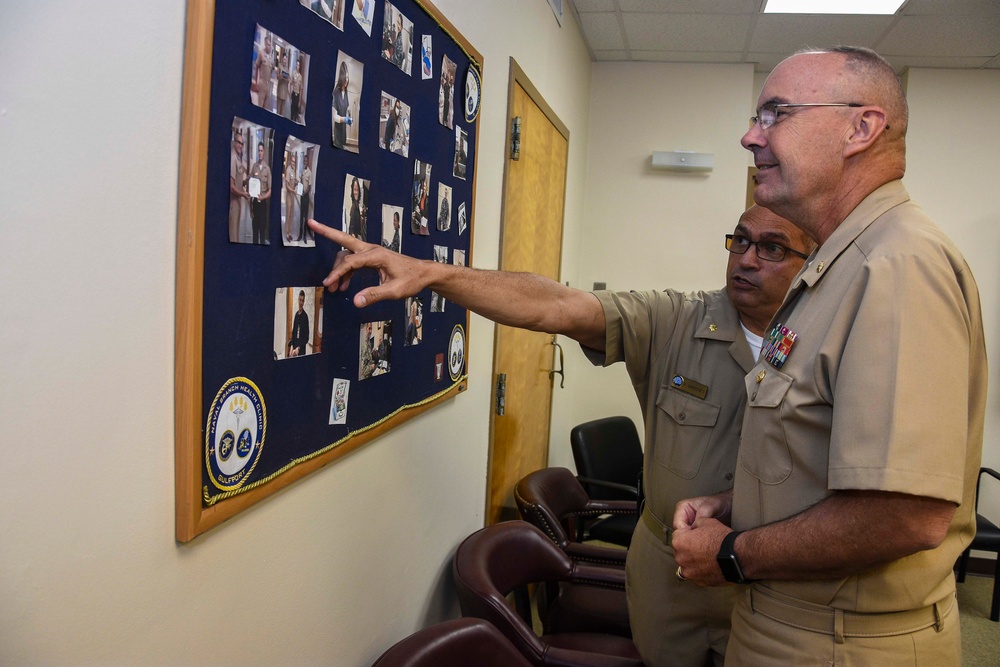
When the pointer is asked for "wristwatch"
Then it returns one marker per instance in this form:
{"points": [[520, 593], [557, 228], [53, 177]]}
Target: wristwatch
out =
{"points": [[729, 563]]}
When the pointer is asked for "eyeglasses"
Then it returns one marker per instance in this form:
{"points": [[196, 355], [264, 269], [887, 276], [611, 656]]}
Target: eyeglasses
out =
{"points": [[769, 114], [769, 251]]}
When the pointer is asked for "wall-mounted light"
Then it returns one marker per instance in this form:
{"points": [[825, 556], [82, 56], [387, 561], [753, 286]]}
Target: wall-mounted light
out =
{"points": [[683, 160]]}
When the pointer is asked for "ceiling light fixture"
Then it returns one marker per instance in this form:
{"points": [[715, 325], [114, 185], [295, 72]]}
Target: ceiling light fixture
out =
{"points": [[832, 6]]}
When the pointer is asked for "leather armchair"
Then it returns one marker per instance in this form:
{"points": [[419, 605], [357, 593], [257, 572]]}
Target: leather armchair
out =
{"points": [[463, 641]]}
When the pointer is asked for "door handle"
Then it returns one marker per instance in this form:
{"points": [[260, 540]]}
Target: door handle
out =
{"points": [[562, 365]]}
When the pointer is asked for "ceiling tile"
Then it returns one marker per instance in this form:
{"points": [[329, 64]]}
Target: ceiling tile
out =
{"points": [[965, 36], [601, 30], [901, 62], [952, 7], [611, 54], [685, 32], [594, 5], [787, 33], [688, 56], [690, 6]]}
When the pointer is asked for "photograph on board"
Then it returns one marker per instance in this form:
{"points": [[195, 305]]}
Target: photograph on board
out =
{"points": [[298, 321], [346, 100], [363, 12], [355, 216], [394, 125], [458, 257], [426, 57], [397, 38], [444, 207], [446, 93], [438, 301], [419, 223], [414, 321], [279, 81], [250, 182], [375, 349], [298, 192], [391, 218], [339, 399], [461, 153], [331, 10]]}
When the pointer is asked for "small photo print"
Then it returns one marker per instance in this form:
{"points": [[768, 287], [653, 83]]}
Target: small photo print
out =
{"points": [[444, 208], [426, 58], [375, 349], [392, 217], [279, 81], [438, 301], [298, 321], [331, 10], [438, 367], [363, 12], [446, 93], [414, 322], [461, 152], [355, 216], [458, 257], [397, 38], [419, 223], [250, 183], [463, 220], [338, 401], [394, 125], [298, 189], [346, 100]]}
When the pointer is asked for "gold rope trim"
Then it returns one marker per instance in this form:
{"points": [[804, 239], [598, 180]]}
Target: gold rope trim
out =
{"points": [[212, 500], [476, 63]]}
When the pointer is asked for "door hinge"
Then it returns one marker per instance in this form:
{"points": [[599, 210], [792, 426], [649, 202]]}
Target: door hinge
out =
{"points": [[515, 138], [501, 393]]}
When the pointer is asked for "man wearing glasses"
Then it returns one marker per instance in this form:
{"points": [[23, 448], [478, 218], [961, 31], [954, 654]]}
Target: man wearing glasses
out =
{"points": [[686, 354], [864, 423]]}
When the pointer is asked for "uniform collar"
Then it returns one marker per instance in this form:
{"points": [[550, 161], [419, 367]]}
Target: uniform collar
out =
{"points": [[722, 322], [888, 196]]}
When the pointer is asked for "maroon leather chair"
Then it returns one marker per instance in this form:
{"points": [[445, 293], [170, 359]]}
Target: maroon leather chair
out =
{"points": [[553, 500], [460, 642], [491, 563]]}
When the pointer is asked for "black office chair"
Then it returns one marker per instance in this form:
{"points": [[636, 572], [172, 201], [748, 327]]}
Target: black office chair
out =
{"points": [[987, 539], [608, 457], [462, 641]]}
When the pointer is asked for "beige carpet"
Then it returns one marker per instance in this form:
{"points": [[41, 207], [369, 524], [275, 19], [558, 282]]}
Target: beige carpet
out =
{"points": [[980, 635]]}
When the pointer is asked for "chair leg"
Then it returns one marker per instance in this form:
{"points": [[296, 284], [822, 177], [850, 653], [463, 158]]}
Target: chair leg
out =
{"points": [[962, 566], [995, 608]]}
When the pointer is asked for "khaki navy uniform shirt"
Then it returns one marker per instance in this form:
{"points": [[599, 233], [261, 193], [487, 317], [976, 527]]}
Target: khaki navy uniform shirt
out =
{"points": [[883, 389], [690, 450]]}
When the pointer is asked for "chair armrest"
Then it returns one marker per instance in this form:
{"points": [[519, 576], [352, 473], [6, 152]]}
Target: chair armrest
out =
{"points": [[596, 575], [625, 488], [592, 554]]}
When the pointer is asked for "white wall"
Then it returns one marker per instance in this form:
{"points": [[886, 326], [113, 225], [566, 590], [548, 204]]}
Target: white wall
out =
{"points": [[331, 570]]}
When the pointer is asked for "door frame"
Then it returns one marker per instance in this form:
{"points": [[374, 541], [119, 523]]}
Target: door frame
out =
{"points": [[517, 76]]}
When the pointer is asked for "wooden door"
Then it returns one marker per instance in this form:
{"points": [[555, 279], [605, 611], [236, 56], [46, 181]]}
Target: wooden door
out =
{"points": [[531, 240]]}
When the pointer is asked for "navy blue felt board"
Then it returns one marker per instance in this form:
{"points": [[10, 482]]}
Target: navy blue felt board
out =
{"points": [[240, 279]]}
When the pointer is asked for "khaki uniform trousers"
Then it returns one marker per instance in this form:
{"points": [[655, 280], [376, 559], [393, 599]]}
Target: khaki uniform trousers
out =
{"points": [[674, 623], [759, 640]]}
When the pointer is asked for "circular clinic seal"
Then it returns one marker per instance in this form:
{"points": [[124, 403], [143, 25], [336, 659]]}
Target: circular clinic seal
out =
{"points": [[456, 352], [473, 93], [234, 434]]}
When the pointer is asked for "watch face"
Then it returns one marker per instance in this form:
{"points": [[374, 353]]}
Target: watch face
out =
{"points": [[730, 568]]}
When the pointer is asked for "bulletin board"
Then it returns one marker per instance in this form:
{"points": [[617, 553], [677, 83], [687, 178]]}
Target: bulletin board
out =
{"points": [[361, 114]]}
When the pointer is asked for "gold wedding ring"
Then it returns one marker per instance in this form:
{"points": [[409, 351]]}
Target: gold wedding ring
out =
{"points": [[680, 576]]}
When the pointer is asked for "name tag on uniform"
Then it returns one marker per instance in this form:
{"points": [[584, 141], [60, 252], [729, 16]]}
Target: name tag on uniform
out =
{"points": [[778, 345], [689, 386]]}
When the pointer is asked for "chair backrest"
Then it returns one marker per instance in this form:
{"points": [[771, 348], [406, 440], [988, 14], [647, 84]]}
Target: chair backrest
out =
{"points": [[493, 561], [607, 449], [462, 641], [545, 498]]}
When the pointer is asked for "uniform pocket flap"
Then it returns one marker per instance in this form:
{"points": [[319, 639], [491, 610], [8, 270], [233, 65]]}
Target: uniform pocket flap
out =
{"points": [[686, 410]]}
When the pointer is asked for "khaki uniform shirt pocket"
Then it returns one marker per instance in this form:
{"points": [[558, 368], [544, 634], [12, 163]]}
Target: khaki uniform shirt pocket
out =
{"points": [[683, 438], [763, 445]]}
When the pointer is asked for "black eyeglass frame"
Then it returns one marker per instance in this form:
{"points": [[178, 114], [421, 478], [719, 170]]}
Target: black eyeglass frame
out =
{"points": [[774, 106], [784, 249]]}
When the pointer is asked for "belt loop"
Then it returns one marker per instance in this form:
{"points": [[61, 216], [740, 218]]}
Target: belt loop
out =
{"points": [[750, 599], [938, 617], [838, 626]]}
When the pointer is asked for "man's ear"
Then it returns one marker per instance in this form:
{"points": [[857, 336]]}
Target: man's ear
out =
{"points": [[868, 126]]}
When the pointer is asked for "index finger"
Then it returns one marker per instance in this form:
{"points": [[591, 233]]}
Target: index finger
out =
{"points": [[352, 243]]}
